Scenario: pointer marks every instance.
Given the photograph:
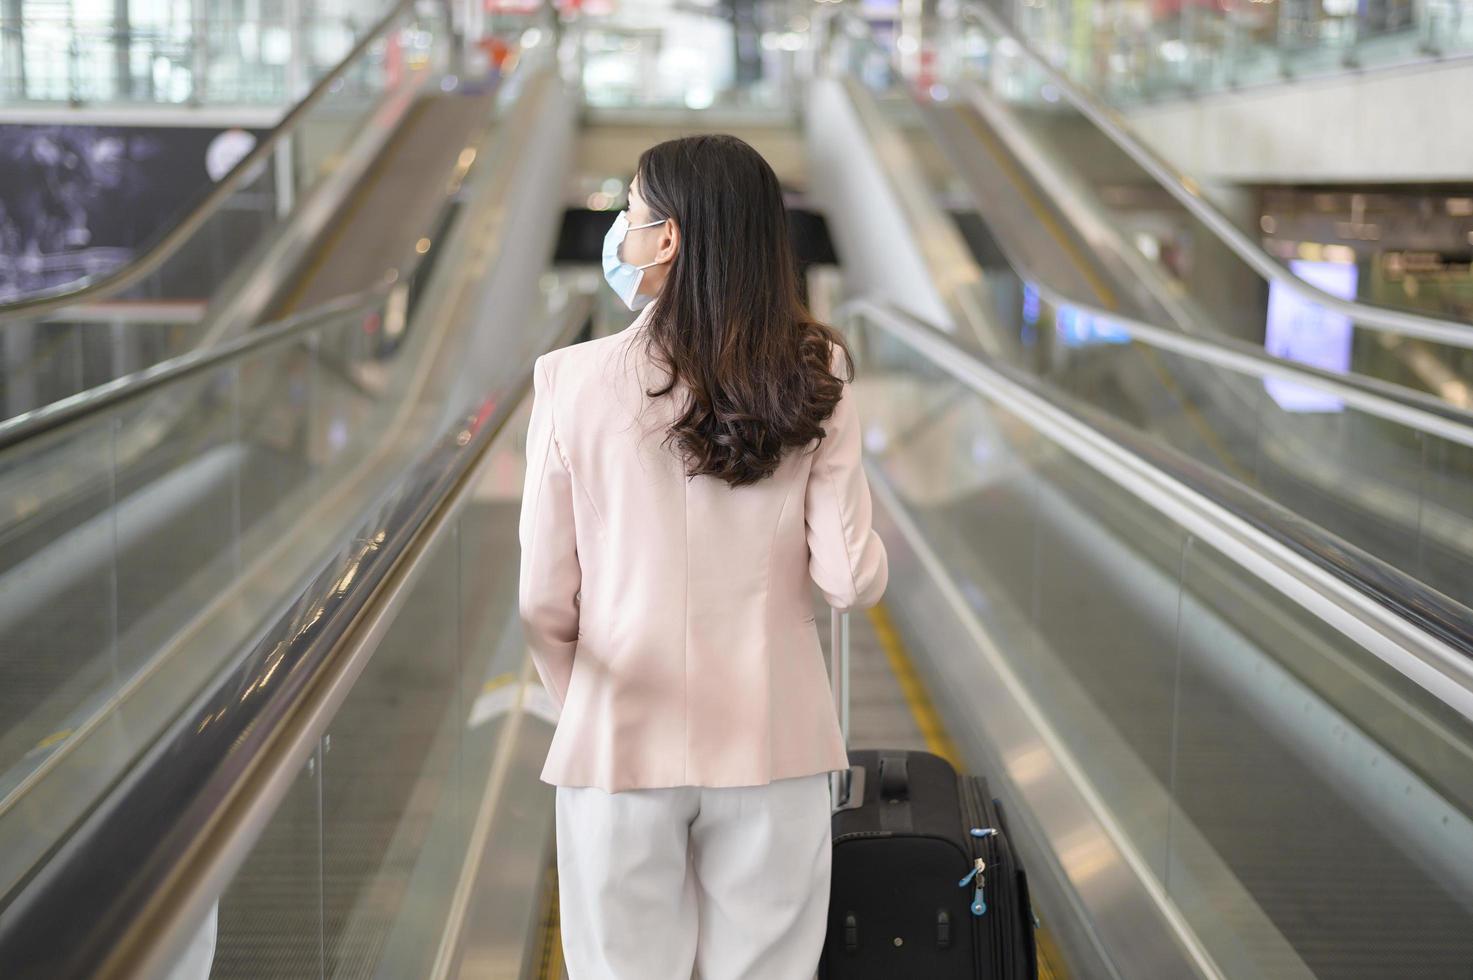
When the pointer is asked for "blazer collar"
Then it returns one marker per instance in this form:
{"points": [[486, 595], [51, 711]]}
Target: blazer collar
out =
{"points": [[641, 319]]}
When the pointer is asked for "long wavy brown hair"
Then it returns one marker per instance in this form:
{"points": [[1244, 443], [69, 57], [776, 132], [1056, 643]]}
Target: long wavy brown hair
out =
{"points": [[730, 321]]}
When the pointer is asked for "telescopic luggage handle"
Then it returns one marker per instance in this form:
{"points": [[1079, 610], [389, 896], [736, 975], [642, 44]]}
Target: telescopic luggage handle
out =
{"points": [[846, 786], [839, 667]]}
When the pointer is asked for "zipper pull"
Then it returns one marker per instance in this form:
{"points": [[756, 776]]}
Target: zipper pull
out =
{"points": [[983, 831], [979, 904]]}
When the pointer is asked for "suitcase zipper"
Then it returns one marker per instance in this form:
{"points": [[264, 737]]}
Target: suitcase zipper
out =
{"points": [[979, 902], [979, 861], [983, 841], [1012, 962]]}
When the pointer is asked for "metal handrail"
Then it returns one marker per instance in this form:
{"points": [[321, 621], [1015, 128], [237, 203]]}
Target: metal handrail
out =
{"points": [[1418, 631], [177, 827], [30, 424], [1189, 193], [87, 289], [1381, 399]]}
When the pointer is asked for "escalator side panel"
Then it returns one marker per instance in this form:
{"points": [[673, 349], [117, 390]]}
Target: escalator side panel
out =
{"points": [[395, 204], [1016, 211]]}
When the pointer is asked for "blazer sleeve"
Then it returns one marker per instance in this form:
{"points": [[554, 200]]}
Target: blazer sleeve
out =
{"points": [[846, 558], [550, 574]]}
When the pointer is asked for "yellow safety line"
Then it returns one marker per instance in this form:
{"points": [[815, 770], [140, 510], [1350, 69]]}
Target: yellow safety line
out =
{"points": [[551, 966], [939, 741], [1050, 962], [927, 719], [1197, 420]]}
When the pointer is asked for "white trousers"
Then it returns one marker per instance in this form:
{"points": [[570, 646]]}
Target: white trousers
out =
{"points": [[731, 881]]}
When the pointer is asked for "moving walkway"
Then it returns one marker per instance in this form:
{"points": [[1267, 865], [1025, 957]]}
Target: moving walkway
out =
{"points": [[1230, 742]]}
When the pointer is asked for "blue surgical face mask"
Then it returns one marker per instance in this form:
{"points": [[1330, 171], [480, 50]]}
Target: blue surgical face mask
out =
{"points": [[622, 277]]}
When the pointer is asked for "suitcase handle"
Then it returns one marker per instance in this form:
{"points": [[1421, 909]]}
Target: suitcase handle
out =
{"points": [[839, 666], [894, 777], [846, 786]]}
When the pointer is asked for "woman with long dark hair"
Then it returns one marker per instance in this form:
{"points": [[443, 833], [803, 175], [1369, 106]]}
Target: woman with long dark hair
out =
{"points": [[689, 479]]}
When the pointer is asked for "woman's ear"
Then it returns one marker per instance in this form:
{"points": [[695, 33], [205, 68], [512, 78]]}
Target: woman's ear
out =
{"points": [[669, 242]]}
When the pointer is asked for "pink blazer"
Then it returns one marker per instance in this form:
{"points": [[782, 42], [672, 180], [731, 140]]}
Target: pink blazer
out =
{"points": [[672, 620]]}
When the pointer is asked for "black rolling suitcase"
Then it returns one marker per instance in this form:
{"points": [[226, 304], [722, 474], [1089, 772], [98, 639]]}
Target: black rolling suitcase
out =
{"points": [[924, 885]]}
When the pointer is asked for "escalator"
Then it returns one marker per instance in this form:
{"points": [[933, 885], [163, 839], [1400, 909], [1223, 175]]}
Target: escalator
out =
{"points": [[395, 206], [1228, 742], [1267, 435], [336, 196], [1143, 637], [1375, 463], [1206, 270], [133, 504], [160, 526]]}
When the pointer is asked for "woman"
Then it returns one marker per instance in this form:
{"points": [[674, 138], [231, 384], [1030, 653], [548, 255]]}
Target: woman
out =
{"points": [[687, 478]]}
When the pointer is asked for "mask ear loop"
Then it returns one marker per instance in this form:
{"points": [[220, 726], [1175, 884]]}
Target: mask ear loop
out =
{"points": [[647, 224]]}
